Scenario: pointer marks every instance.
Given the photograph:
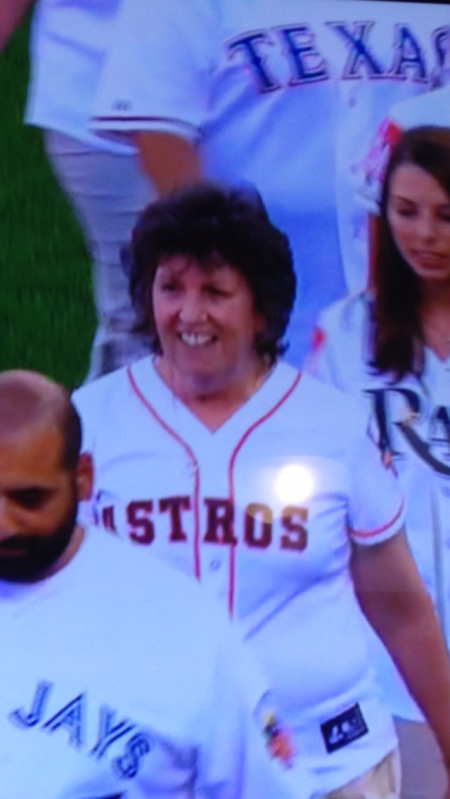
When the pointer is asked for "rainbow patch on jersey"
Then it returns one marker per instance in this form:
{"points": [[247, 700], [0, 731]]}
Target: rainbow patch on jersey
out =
{"points": [[279, 741]]}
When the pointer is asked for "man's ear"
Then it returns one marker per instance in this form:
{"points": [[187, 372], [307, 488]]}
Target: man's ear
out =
{"points": [[85, 476]]}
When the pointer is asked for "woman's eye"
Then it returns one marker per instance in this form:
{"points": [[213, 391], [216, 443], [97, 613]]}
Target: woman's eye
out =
{"points": [[403, 211], [169, 287], [214, 291]]}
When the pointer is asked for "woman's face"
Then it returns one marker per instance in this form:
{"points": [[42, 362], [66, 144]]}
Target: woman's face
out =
{"points": [[205, 320], [418, 212]]}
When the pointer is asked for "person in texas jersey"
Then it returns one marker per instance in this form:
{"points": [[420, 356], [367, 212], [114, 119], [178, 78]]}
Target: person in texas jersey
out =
{"points": [[284, 95], [118, 680], [262, 483], [391, 348], [103, 180]]}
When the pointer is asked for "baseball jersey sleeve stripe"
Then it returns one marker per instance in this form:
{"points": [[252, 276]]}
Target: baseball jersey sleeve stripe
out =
{"points": [[102, 121], [365, 534]]}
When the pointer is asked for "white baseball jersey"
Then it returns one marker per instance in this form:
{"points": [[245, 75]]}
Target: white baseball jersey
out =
{"points": [[68, 45], [428, 109], [412, 422], [286, 95], [259, 511], [119, 681]]}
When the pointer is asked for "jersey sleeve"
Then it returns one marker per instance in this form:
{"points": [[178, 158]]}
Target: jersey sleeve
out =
{"points": [[249, 751], [376, 504], [156, 75], [88, 402]]}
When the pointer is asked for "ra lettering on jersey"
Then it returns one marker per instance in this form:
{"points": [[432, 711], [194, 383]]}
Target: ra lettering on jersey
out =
{"points": [[259, 528], [298, 46], [129, 744], [406, 421]]}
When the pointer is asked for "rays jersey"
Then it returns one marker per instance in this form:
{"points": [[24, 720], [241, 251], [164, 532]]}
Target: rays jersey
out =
{"points": [[285, 95], [260, 512], [411, 422]]}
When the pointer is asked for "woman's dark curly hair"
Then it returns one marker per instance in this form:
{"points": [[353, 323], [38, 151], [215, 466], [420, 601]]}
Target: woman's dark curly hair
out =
{"points": [[398, 339], [209, 223]]}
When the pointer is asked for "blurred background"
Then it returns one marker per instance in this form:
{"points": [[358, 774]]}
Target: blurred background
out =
{"points": [[47, 317]]}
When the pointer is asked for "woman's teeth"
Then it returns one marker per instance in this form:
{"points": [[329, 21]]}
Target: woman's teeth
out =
{"points": [[195, 339]]}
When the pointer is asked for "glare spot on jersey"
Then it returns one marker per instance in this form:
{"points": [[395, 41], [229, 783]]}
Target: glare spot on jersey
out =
{"points": [[294, 484]]}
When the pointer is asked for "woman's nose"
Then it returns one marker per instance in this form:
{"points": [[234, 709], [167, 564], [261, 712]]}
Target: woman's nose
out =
{"points": [[426, 226], [192, 308]]}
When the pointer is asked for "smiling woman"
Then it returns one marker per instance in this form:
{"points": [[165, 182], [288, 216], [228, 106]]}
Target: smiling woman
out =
{"points": [[262, 483], [207, 327], [213, 282]]}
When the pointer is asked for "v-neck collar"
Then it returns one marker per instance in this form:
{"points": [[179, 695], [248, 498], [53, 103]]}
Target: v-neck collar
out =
{"points": [[155, 393]]}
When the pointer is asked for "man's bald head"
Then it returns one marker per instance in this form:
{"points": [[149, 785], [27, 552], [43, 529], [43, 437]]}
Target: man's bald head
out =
{"points": [[29, 400]]}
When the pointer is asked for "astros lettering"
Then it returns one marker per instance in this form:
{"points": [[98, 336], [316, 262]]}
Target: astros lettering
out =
{"points": [[219, 522]]}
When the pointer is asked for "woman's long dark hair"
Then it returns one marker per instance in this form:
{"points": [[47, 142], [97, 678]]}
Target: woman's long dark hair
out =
{"points": [[398, 338]]}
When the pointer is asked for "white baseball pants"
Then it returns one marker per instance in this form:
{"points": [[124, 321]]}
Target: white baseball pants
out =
{"points": [[107, 191]]}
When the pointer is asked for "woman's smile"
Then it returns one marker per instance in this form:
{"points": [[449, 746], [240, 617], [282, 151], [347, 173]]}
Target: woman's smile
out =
{"points": [[206, 322]]}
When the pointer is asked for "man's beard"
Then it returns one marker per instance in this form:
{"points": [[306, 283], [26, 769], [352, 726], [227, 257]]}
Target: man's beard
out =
{"points": [[38, 552]]}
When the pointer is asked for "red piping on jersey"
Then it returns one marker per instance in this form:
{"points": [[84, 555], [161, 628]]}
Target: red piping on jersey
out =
{"points": [[370, 533], [193, 460], [238, 447]]}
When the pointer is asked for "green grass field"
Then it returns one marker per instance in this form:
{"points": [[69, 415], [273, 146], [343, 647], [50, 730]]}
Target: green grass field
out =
{"points": [[46, 311]]}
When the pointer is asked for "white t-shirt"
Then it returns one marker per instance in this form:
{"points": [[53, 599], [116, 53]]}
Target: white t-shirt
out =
{"points": [[412, 421], [428, 109], [118, 679], [68, 45], [286, 95], [260, 512]]}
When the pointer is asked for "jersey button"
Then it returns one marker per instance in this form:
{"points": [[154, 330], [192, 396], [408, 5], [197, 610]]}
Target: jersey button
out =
{"points": [[215, 564]]}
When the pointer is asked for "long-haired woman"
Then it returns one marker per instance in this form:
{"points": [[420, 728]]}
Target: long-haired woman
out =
{"points": [[391, 347]]}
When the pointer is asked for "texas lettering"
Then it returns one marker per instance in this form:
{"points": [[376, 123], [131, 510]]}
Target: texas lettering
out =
{"points": [[307, 62]]}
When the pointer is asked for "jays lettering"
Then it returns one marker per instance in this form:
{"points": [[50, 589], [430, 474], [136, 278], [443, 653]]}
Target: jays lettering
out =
{"points": [[259, 526], [407, 421], [101, 733], [259, 51]]}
